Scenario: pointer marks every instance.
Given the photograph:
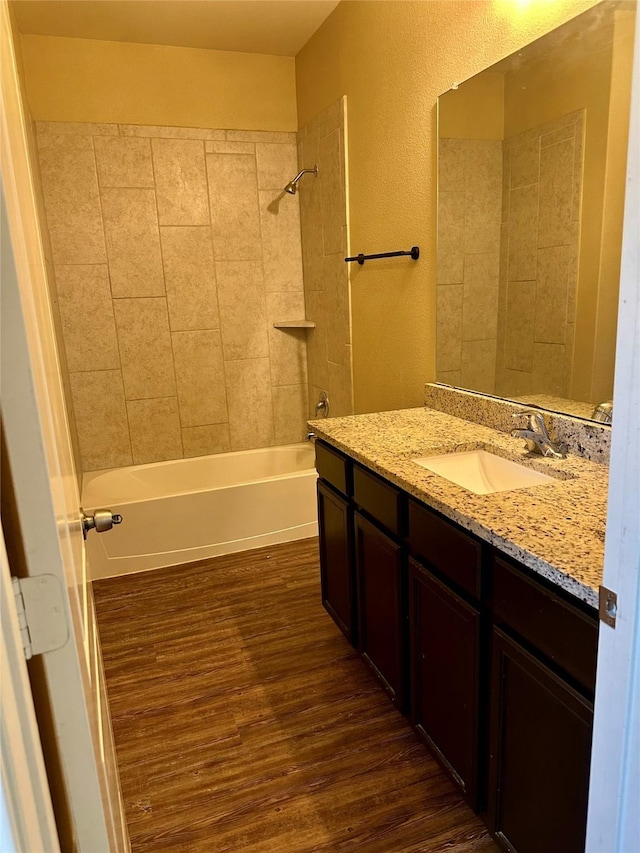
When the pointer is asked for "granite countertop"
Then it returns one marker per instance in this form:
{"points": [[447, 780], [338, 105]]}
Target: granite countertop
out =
{"points": [[556, 529]]}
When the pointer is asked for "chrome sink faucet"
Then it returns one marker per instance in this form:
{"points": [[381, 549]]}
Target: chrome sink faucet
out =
{"points": [[536, 437]]}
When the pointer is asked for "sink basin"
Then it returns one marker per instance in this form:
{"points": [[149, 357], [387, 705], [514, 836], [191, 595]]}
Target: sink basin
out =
{"points": [[482, 472]]}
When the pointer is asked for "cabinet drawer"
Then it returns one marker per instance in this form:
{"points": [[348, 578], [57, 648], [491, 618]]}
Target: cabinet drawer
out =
{"points": [[562, 632], [333, 467], [443, 546], [378, 498]]}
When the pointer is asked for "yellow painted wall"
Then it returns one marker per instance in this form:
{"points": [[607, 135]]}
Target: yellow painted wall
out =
{"points": [[102, 81], [475, 110], [547, 87], [392, 60]]}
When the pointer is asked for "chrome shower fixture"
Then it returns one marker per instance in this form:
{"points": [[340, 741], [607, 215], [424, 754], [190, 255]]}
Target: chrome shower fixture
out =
{"points": [[292, 186]]}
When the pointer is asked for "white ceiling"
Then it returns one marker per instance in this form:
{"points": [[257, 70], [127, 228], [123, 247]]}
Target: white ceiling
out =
{"points": [[279, 27]]}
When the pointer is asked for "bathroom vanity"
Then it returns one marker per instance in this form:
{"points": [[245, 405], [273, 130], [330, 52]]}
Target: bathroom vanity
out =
{"points": [[476, 613]]}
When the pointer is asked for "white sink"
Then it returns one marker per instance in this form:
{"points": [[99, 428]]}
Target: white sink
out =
{"points": [[482, 472]]}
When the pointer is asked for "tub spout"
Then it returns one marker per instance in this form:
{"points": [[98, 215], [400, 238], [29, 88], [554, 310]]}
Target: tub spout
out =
{"points": [[311, 436]]}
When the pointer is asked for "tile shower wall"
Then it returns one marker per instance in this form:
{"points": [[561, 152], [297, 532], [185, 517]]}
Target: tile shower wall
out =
{"points": [[539, 272], [469, 214], [323, 215], [174, 252], [508, 245]]}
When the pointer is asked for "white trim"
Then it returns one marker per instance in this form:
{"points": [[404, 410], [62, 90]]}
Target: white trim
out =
{"points": [[614, 797], [25, 787]]}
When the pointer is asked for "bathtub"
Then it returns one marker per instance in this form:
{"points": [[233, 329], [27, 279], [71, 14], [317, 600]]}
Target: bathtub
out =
{"points": [[192, 509]]}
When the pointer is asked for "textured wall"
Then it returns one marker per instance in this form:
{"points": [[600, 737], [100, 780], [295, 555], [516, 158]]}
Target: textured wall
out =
{"points": [[73, 79], [174, 252], [323, 220], [392, 60]]}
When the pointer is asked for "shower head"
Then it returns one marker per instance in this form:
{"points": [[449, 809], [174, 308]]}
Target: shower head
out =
{"points": [[292, 186]]}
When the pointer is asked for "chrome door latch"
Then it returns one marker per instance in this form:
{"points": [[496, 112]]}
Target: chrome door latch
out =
{"points": [[101, 521]]}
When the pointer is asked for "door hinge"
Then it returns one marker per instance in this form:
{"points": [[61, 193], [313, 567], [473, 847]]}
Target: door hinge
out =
{"points": [[608, 606], [41, 614]]}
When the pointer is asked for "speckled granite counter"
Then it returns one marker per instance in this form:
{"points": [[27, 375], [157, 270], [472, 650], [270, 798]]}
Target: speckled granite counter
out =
{"points": [[556, 529]]}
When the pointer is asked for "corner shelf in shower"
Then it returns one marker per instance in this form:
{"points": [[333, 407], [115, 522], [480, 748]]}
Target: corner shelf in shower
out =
{"points": [[295, 324]]}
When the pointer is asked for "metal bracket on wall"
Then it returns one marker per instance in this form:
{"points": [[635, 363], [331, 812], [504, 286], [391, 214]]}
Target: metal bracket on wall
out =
{"points": [[608, 606]]}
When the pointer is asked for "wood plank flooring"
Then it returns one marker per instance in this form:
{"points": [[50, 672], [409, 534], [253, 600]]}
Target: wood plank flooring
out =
{"points": [[244, 721]]}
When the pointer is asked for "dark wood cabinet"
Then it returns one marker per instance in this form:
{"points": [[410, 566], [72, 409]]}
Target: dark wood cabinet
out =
{"points": [[539, 755], [381, 622], [445, 676], [337, 575], [497, 664]]}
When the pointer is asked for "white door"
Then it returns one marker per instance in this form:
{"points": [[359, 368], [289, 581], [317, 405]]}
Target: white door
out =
{"points": [[46, 494]]}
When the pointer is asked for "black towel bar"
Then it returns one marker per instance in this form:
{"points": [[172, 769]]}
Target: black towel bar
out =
{"points": [[414, 252]]}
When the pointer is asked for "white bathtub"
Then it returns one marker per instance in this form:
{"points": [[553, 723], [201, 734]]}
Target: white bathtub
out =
{"points": [[193, 509]]}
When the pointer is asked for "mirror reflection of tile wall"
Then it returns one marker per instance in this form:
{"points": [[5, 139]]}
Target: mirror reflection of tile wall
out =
{"points": [[506, 302]]}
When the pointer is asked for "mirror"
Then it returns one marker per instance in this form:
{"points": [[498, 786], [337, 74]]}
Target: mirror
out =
{"points": [[531, 176]]}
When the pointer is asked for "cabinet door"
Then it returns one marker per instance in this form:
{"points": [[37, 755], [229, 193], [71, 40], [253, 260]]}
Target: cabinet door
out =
{"points": [[379, 575], [336, 560], [539, 755], [445, 648]]}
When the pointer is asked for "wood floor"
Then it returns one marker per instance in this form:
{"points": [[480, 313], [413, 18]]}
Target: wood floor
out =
{"points": [[245, 722]]}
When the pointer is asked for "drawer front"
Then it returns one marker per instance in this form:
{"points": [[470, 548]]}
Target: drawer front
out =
{"points": [[449, 550], [333, 467], [562, 632], [378, 498]]}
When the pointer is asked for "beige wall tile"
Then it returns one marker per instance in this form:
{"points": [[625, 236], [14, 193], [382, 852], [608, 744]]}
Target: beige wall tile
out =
{"points": [[310, 200], [190, 278], [549, 369], [337, 306], [331, 177], [277, 165], [524, 163], [72, 203], [449, 377], [340, 390], [523, 233], [281, 246], [145, 348], [233, 196], [155, 430], [552, 294], [181, 181], [206, 440], [556, 193], [288, 356], [243, 318], [123, 162], [133, 242], [230, 148], [170, 132], [69, 141], [480, 311], [451, 226], [76, 127], [479, 365], [451, 156], [200, 377], [86, 314], [250, 403], [318, 369], [521, 298], [483, 195], [290, 413], [449, 328], [261, 136], [101, 419], [287, 347], [515, 383]]}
